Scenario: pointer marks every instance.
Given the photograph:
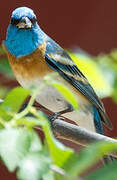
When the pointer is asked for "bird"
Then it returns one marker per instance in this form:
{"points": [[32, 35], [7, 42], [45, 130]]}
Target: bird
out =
{"points": [[32, 55]]}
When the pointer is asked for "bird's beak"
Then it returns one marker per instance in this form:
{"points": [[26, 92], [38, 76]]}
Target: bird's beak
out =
{"points": [[25, 23]]}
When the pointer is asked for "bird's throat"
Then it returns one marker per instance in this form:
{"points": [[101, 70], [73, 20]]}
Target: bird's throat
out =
{"points": [[22, 42]]}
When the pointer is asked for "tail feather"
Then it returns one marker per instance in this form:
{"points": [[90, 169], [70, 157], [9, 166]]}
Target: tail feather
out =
{"points": [[99, 129]]}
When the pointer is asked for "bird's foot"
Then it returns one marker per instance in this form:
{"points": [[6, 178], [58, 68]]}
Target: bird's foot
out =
{"points": [[55, 116]]}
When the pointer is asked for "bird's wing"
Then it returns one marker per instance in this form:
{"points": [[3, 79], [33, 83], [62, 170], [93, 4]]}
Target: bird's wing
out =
{"points": [[61, 62]]}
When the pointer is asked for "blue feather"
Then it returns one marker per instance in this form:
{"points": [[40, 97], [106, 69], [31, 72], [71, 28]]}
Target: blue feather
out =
{"points": [[22, 42], [52, 47], [97, 120], [98, 125], [21, 12]]}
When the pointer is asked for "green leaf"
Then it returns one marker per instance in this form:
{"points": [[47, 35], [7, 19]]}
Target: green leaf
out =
{"points": [[93, 73], [14, 100], [114, 94], [66, 93], [4, 115], [109, 172], [34, 166], [63, 90], [49, 176], [36, 144], [14, 145], [29, 121], [58, 151], [86, 158]]}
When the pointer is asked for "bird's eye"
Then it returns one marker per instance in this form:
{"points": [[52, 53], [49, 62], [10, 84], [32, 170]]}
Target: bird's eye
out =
{"points": [[33, 20], [14, 21]]}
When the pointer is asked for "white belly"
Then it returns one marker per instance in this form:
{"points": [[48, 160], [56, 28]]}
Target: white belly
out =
{"points": [[50, 98]]}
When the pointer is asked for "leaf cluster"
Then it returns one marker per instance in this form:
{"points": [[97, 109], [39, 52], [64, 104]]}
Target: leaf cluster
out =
{"points": [[21, 148]]}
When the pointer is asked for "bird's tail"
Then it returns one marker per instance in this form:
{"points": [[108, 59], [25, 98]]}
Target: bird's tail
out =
{"points": [[99, 129]]}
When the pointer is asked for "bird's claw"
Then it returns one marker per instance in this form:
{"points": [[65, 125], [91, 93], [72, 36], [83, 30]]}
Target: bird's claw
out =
{"points": [[55, 116]]}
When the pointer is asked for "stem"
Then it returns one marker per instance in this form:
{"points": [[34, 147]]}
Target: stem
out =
{"points": [[29, 106]]}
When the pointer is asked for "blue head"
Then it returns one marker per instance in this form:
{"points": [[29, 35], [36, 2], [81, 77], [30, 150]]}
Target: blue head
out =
{"points": [[24, 34]]}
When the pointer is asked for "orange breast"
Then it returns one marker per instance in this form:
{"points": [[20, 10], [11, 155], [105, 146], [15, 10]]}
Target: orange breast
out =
{"points": [[30, 66]]}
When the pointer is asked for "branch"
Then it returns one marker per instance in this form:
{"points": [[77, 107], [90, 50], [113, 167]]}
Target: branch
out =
{"points": [[77, 134], [74, 133], [71, 132]]}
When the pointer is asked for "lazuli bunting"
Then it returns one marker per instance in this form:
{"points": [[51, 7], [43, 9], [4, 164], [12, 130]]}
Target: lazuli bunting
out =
{"points": [[32, 55]]}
